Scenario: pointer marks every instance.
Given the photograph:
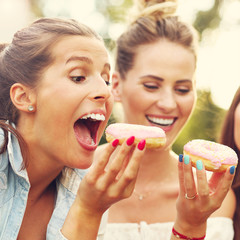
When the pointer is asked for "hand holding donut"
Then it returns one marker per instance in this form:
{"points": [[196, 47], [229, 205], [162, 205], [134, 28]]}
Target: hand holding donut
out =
{"points": [[197, 201], [101, 186]]}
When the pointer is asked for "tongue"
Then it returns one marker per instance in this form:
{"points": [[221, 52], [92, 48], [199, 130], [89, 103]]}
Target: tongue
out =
{"points": [[83, 134]]}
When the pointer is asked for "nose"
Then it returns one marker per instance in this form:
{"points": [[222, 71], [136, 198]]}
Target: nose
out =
{"points": [[101, 90], [167, 101]]}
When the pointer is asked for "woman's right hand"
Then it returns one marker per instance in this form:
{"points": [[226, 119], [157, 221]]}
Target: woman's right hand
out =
{"points": [[106, 183], [197, 201]]}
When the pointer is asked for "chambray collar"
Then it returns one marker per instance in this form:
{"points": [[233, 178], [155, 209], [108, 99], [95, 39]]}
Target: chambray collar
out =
{"points": [[70, 178], [15, 157]]}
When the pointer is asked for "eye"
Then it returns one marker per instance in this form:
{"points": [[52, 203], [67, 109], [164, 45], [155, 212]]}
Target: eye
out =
{"points": [[150, 86], [78, 78], [182, 91]]}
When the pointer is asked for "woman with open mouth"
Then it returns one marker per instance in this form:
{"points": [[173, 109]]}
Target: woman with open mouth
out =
{"points": [[154, 82], [54, 106]]}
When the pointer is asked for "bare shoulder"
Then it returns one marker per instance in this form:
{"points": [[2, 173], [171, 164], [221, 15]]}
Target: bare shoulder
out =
{"points": [[228, 206]]}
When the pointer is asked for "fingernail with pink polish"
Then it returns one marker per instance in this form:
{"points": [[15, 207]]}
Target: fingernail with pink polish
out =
{"points": [[115, 142], [130, 140], [141, 144]]}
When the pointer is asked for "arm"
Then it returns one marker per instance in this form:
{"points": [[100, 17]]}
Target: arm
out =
{"points": [[102, 187], [192, 214]]}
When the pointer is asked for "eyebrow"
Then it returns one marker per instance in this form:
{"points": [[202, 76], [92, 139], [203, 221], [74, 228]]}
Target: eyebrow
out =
{"points": [[162, 79], [78, 58], [87, 60], [152, 76]]}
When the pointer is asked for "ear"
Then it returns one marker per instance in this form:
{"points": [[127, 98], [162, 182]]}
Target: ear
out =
{"points": [[22, 97], [116, 86]]}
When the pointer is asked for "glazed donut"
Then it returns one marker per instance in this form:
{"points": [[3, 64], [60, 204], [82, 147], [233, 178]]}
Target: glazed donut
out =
{"points": [[215, 157], [155, 137]]}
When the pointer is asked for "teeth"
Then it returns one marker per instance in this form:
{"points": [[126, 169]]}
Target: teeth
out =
{"points": [[93, 116], [161, 121]]}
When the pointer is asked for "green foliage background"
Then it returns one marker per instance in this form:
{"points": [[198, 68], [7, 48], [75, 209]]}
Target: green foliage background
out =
{"points": [[205, 122]]}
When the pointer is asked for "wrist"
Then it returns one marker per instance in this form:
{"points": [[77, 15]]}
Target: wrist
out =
{"points": [[189, 230], [81, 223], [179, 235]]}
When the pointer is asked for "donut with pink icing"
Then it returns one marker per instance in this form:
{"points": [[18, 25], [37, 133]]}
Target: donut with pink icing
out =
{"points": [[155, 137], [216, 157]]}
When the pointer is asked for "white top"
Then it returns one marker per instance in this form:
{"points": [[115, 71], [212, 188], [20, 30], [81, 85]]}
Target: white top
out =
{"points": [[218, 228]]}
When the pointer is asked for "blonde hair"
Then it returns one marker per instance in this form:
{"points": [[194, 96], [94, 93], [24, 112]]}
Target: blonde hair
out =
{"points": [[158, 8], [153, 20]]}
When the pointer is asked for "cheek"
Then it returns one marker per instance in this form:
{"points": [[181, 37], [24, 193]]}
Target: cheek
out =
{"points": [[187, 105], [57, 97], [130, 100], [109, 105], [134, 108]]}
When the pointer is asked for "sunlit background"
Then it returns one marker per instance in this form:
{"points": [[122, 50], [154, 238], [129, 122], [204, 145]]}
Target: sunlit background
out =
{"points": [[219, 54]]}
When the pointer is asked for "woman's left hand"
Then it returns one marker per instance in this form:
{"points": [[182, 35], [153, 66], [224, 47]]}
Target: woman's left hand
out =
{"points": [[198, 200]]}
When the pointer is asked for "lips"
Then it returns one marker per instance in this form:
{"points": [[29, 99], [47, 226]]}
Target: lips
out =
{"points": [[86, 129]]}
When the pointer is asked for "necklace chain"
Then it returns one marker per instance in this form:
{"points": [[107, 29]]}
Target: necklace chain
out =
{"points": [[140, 196]]}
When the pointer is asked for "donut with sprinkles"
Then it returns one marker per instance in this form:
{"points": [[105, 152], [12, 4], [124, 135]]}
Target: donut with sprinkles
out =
{"points": [[216, 157]]}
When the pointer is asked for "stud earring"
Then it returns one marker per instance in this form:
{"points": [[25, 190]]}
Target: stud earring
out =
{"points": [[30, 108]]}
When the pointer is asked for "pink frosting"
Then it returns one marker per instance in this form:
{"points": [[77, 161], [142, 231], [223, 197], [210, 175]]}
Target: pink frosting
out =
{"points": [[124, 130], [217, 153]]}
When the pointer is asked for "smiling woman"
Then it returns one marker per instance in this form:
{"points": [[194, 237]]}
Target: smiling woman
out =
{"points": [[54, 106], [155, 84]]}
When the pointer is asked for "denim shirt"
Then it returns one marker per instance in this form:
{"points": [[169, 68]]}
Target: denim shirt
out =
{"points": [[14, 188]]}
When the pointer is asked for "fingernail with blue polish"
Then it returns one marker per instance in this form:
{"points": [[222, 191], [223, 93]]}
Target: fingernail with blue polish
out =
{"points": [[180, 158], [232, 169], [199, 165], [186, 159]]}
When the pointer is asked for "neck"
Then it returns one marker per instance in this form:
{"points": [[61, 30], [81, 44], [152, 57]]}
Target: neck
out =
{"points": [[42, 170], [41, 174], [156, 166]]}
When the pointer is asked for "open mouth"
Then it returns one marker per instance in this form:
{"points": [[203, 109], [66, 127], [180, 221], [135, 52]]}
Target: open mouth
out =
{"points": [[86, 129], [163, 122]]}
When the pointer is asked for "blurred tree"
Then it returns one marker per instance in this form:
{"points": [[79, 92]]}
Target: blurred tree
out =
{"points": [[204, 123], [209, 19], [36, 7], [115, 11]]}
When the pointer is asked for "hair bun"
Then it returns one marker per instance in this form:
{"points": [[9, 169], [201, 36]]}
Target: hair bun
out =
{"points": [[158, 8]]}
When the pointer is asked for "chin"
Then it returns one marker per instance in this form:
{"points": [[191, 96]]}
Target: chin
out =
{"points": [[84, 161]]}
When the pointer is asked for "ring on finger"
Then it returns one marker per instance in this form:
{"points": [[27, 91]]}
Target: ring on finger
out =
{"points": [[190, 198]]}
